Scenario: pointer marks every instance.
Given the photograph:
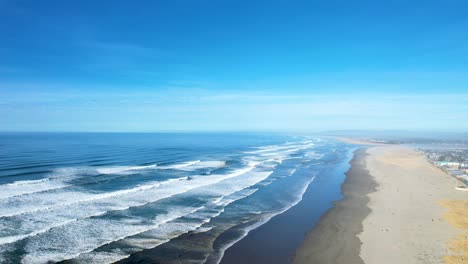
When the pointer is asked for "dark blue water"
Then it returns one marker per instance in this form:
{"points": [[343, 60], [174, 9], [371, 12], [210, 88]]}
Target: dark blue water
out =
{"points": [[100, 197]]}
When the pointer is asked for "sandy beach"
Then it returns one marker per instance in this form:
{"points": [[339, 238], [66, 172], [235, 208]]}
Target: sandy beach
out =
{"points": [[398, 208]]}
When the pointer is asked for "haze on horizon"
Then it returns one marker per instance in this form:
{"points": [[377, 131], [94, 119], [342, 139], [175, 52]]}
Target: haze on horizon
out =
{"points": [[233, 65]]}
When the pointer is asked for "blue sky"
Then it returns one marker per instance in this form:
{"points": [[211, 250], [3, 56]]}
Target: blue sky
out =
{"points": [[233, 65]]}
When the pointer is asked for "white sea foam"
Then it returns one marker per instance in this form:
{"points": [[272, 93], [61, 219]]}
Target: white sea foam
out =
{"points": [[56, 180], [313, 155], [24, 187], [287, 150], [54, 210], [122, 169], [185, 166], [166, 231], [280, 152], [59, 225], [84, 236], [131, 169], [204, 165], [179, 165], [46, 248], [272, 149], [263, 221], [245, 232], [27, 182], [49, 200], [59, 178]]}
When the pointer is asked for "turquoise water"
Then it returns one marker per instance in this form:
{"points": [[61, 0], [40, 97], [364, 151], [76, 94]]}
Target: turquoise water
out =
{"points": [[99, 198]]}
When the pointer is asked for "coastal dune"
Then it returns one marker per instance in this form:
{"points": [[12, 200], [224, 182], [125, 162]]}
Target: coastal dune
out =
{"points": [[397, 208]]}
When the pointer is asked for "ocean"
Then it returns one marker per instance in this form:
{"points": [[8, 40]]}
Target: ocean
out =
{"points": [[181, 198]]}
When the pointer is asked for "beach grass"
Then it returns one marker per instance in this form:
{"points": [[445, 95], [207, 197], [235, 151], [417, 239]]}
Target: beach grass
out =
{"points": [[457, 216]]}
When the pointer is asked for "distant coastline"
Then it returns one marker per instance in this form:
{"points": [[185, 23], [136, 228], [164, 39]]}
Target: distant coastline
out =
{"points": [[359, 141]]}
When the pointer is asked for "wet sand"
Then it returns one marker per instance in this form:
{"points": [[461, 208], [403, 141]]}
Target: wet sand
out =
{"points": [[333, 239]]}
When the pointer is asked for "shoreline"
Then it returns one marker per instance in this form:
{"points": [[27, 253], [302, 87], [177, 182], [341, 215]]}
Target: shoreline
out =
{"points": [[397, 208], [277, 240], [334, 237], [384, 204]]}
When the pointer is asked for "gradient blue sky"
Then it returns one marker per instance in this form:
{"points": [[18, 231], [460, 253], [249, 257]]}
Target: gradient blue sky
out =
{"points": [[233, 65]]}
